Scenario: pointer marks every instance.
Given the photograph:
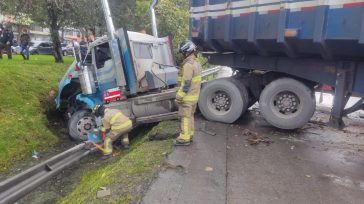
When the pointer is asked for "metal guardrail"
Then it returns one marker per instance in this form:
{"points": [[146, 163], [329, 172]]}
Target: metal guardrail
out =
{"points": [[16, 187], [210, 71]]}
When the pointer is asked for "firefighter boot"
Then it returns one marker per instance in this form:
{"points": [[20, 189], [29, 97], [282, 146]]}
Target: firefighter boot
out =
{"points": [[107, 149], [184, 138], [125, 142], [181, 142]]}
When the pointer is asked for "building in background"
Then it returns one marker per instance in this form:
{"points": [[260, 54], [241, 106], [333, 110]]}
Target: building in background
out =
{"points": [[37, 33]]}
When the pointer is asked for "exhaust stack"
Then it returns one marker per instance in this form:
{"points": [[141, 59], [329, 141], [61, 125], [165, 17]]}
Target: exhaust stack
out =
{"points": [[154, 21], [108, 19]]}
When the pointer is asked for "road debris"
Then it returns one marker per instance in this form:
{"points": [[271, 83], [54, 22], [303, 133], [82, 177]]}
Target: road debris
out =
{"points": [[308, 176], [35, 154], [292, 147], [208, 168], [255, 139], [103, 192]]}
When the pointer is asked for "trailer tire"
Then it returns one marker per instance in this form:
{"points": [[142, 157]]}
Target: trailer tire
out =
{"points": [[79, 124], [223, 100], [287, 103]]}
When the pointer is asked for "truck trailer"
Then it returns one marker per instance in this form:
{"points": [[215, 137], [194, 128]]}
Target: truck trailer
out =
{"points": [[281, 52]]}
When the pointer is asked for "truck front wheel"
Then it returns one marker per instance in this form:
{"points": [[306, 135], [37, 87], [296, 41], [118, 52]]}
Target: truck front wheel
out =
{"points": [[223, 100], [80, 124], [287, 103]]}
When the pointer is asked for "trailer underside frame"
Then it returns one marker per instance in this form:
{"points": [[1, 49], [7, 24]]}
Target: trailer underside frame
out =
{"points": [[344, 76]]}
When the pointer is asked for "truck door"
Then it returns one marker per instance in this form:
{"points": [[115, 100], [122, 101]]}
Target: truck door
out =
{"points": [[105, 72]]}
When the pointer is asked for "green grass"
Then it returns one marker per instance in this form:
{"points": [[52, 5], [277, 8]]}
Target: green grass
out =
{"points": [[127, 175], [24, 102]]}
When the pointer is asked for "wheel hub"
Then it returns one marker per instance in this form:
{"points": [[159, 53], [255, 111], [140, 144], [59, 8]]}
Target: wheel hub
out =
{"points": [[287, 102], [221, 101], [85, 124]]}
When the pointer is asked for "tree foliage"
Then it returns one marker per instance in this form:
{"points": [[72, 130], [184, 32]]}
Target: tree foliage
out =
{"points": [[172, 16]]}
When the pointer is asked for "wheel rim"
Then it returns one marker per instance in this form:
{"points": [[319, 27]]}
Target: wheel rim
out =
{"points": [[286, 104], [219, 102], [84, 125]]}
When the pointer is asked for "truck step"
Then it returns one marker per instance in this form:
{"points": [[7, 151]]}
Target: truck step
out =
{"points": [[157, 118]]}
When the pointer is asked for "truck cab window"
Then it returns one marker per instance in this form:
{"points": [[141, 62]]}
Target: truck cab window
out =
{"points": [[102, 54], [143, 50]]}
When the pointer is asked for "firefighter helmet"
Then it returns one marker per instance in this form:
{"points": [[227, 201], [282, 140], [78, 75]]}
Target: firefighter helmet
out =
{"points": [[187, 47], [98, 110]]}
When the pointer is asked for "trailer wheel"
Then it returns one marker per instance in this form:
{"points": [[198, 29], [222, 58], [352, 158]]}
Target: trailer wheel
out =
{"points": [[80, 124], [287, 103], [223, 100]]}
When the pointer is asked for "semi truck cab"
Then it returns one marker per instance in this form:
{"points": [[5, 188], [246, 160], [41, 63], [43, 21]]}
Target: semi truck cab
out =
{"points": [[138, 66]]}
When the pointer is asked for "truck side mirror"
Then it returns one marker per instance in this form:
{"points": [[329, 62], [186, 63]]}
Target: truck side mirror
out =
{"points": [[77, 51]]}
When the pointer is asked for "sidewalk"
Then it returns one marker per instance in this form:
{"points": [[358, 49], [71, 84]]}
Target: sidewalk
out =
{"points": [[316, 164], [196, 174]]}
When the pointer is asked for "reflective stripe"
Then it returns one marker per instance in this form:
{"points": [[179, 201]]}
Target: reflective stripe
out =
{"points": [[107, 146], [122, 126], [181, 94], [191, 98], [125, 140], [116, 116], [197, 78], [185, 134]]}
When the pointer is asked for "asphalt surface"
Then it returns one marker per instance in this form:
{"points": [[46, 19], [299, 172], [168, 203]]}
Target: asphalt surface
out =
{"points": [[316, 164]]}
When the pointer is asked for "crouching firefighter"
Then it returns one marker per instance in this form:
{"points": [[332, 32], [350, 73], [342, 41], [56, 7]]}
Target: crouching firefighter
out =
{"points": [[188, 92], [115, 124]]}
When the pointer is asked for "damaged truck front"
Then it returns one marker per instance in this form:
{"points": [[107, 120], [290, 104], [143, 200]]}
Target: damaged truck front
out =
{"points": [[129, 71]]}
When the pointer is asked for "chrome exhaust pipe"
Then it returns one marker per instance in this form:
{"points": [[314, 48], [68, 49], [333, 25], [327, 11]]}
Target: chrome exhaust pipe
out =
{"points": [[154, 20], [108, 19]]}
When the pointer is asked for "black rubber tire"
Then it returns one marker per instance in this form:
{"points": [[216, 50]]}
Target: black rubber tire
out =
{"points": [[305, 109], [234, 90], [74, 132]]}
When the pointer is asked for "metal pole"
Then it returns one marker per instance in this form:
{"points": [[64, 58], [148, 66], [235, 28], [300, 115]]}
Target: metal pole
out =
{"points": [[108, 19], [154, 20]]}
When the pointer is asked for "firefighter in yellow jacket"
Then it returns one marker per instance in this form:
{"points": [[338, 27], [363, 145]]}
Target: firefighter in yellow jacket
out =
{"points": [[188, 92], [115, 124]]}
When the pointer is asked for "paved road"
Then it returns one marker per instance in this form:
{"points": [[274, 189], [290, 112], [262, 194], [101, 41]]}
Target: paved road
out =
{"points": [[316, 164]]}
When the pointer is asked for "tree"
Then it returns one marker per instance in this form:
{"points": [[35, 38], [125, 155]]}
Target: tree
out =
{"points": [[54, 14]]}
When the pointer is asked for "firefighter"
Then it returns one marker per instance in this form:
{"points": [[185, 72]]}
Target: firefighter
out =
{"points": [[188, 92], [115, 124]]}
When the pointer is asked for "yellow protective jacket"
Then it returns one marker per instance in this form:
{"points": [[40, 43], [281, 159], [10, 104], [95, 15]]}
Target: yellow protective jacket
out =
{"points": [[189, 89], [115, 120]]}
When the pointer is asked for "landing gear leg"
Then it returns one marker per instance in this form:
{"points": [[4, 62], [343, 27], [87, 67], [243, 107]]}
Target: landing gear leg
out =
{"points": [[341, 98]]}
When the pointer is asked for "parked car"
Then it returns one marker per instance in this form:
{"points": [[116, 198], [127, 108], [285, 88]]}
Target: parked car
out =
{"points": [[41, 48], [67, 49], [15, 49]]}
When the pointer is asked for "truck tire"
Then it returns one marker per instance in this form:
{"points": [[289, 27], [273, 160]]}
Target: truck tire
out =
{"points": [[223, 100], [287, 103], [79, 124]]}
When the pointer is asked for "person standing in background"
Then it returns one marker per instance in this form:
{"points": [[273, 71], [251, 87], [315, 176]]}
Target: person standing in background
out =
{"points": [[6, 39], [24, 44], [2, 45]]}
